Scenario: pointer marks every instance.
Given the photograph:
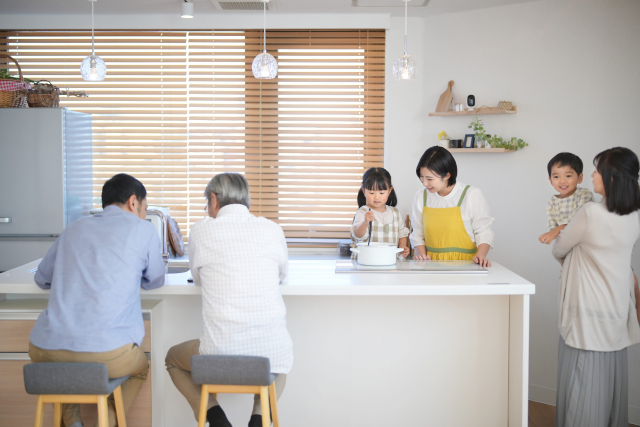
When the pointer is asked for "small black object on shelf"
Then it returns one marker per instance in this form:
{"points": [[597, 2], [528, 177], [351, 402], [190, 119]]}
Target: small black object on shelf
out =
{"points": [[471, 101]]}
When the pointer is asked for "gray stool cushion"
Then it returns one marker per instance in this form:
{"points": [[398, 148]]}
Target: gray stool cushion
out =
{"points": [[69, 378], [231, 370]]}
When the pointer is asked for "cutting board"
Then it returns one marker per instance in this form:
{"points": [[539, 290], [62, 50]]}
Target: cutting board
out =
{"points": [[445, 99]]}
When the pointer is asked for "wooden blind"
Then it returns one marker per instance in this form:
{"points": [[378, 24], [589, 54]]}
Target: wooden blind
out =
{"points": [[178, 107]]}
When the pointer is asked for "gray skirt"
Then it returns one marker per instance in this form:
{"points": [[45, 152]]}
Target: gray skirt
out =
{"points": [[593, 388]]}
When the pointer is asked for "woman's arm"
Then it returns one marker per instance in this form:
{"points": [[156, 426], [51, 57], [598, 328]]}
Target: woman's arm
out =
{"points": [[571, 235], [481, 220], [417, 235]]}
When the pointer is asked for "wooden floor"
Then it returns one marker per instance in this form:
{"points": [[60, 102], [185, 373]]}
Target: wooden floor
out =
{"points": [[541, 415]]}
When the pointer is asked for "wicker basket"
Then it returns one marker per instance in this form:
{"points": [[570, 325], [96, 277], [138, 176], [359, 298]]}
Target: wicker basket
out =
{"points": [[14, 98], [44, 95], [505, 105]]}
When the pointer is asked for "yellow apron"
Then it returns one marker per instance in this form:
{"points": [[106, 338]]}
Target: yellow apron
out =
{"points": [[445, 235]]}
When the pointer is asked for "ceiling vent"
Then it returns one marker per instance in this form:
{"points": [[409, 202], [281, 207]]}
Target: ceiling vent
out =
{"points": [[388, 3], [243, 5]]}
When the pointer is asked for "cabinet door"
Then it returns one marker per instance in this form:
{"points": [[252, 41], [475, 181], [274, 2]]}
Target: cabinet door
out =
{"points": [[17, 408]]}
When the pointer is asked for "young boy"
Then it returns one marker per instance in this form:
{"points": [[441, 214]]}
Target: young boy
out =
{"points": [[565, 173]]}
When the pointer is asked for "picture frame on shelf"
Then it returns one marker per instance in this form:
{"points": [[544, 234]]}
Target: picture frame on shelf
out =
{"points": [[469, 141]]}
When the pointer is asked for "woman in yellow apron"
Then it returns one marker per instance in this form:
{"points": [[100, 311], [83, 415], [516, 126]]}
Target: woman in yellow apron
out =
{"points": [[451, 220]]}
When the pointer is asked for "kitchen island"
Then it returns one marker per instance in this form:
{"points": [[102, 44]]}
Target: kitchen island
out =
{"points": [[370, 349]]}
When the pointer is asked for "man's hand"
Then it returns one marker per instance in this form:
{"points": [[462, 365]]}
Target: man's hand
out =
{"points": [[368, 217], [482, 260]]}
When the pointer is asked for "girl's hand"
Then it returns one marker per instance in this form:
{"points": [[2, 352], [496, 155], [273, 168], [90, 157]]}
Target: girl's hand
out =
{"points": [[405, 251], [482, 261], [424, 257], [368, 217]]}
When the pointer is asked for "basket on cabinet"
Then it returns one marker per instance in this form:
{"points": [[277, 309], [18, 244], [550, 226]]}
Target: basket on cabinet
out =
{"points": [[44, 95], [13, 93]]}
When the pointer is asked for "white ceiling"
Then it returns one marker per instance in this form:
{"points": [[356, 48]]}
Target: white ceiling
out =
{"points": [[393, 7]]}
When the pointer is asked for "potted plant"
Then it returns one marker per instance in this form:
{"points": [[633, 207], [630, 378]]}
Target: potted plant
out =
{"points": [[495, 141]]}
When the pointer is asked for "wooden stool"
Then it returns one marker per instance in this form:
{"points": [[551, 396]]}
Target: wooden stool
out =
{"points": [[236, 374], [60, 383]]}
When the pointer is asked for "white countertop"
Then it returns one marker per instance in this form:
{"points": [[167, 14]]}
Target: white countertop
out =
{"points": [[316, 276]]}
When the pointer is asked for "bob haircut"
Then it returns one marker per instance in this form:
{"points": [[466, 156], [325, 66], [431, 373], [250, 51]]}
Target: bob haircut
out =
{"points": [[440, 161], [619, 169], [377, 179], [565, 159]]}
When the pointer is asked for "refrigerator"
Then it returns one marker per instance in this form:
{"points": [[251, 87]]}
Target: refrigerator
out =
{"points": [[45, 179]]}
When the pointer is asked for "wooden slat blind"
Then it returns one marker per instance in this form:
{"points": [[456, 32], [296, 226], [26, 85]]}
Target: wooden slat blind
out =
{"points": [[177, 107]]}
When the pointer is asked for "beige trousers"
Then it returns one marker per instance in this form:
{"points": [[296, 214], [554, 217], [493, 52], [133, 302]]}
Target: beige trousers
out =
{"points": [[178, 364], [126, 360]]}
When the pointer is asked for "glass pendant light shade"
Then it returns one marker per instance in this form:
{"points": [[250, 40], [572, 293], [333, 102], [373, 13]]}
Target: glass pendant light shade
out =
{"points": [[264, 66], [405, 68], [93, 69]]}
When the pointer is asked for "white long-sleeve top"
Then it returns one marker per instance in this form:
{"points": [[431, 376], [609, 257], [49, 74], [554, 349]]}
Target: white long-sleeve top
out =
{"points": [[240, 260], [596, 298], [476, 215]]}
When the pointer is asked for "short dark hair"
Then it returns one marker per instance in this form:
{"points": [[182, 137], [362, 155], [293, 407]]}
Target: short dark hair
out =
{"points": [[620, 172], [440, 161], [565, 159], [377, 179], [120, 188]]}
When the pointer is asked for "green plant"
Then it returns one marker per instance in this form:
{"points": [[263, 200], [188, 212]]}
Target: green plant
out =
{"points": [[4, 74], [495, 141]]}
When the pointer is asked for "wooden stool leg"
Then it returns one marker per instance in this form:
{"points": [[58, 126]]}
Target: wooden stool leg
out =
{"points": [[273, 399], [57, 415], [204, 402], [264, 404], [103, 411], [39, 412], [117, 397]]}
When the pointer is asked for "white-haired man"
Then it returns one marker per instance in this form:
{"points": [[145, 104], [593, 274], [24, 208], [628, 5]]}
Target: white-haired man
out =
{"points": [[239, 260]]}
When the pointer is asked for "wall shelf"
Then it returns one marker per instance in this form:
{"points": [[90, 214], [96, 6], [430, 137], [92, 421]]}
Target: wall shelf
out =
{"points": [[480, 111], [479, 150]]}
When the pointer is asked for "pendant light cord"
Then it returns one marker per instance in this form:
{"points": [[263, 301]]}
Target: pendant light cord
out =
{"points": [[264, 26], [93, 50], [406, 2]]}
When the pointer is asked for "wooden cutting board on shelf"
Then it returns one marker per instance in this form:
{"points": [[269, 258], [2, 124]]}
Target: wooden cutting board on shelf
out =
{"points": [[445, 99]]}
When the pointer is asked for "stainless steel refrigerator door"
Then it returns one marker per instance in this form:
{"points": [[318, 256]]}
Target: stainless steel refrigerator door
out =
{"points": [[31, 171]]}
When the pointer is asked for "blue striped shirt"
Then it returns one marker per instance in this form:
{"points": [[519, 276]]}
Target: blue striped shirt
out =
{"points": [[95, 270]]}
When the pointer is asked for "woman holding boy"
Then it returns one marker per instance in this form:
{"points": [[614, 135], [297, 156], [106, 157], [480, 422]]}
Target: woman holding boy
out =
{"points": [[598, 318]]}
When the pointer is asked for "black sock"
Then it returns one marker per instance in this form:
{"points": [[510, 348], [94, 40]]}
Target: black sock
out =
{"points": [[255, 421], [217, 418]]}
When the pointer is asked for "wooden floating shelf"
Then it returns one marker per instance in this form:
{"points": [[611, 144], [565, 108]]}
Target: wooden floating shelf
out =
{"points": [[479, 150], [475, 111]]}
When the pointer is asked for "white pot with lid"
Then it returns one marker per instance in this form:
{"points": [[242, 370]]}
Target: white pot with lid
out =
{"points": [[376, 253]]}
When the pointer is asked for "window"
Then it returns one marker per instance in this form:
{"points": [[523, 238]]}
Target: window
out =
{"points": [[178, 107]]}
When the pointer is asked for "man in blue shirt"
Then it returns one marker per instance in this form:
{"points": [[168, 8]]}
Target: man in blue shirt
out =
{"points": [[95, 270]]}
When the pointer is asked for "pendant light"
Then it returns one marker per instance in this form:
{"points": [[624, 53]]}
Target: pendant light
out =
{"points": [[264, 65], [93, 67], [187, 9], [405, 67]]}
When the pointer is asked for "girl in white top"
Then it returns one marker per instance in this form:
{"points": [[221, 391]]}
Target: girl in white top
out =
{"points": [[597, 299], [377, 200], [451, 220]]}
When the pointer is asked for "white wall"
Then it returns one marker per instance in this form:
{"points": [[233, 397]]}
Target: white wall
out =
{"points": [[573, 69]]}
